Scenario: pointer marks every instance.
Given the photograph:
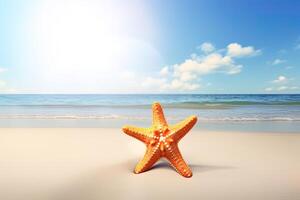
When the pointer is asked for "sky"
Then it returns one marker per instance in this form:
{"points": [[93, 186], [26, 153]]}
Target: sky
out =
{"points": [[136, 46]]}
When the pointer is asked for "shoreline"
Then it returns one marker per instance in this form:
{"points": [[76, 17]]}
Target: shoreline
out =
{"points": [[235, 126], [195, 130]]}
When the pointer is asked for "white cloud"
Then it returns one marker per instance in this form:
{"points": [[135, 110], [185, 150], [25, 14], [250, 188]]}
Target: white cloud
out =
{"points": [[236, 50], [281, 88], [278, 61], [180, 85], [161, 84], [269, 89], [185, 76], [164, 71], [190, 69], [284, 88], [207, 47], [280, 79]]}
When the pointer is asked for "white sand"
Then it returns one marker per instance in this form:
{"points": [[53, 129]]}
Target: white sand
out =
{"points": [[97, 164]]}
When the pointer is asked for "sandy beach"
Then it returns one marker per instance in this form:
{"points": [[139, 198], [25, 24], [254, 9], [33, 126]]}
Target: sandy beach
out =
{"points": [[53, 163], [76, 74]]}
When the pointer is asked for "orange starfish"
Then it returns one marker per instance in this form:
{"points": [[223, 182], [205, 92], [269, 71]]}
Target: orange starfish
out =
{"points": [[162, 141]]}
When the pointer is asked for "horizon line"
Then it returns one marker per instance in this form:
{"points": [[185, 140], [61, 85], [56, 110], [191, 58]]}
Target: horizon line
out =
{"points": [[149, 93]]}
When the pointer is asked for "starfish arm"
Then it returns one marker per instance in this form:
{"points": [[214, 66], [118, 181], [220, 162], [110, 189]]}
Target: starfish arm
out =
{"points": [[142, 134], [176, 160], [158, 115], [179, 130], [151, 156]]}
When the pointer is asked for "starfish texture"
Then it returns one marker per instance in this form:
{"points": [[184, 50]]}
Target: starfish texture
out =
{"points": [[162, 141]]}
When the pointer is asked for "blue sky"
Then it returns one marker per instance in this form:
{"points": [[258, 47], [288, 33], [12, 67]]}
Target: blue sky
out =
{"points": [[149, 46]]}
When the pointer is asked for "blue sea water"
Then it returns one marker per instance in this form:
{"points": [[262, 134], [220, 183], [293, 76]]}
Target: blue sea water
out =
{"points": [[267, 111]]}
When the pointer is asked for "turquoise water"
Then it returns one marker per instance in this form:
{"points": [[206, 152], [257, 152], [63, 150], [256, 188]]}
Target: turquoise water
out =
{"points": [[264, 111], [195, 100]]}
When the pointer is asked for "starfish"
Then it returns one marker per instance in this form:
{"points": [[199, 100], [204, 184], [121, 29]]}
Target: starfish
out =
{"points": [[162, 141]]}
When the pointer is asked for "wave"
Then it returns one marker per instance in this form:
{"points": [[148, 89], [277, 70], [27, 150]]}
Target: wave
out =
{"points": [[74, 117], [141, 101], [236, 103], [184, 105], [124, 117]]}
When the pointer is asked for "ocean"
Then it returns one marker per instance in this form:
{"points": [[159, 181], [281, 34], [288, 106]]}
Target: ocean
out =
{"points": [[278, 112]]}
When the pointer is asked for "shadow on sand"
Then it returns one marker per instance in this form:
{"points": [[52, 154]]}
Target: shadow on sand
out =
{"points": [[194, 167], [111, 181]]}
